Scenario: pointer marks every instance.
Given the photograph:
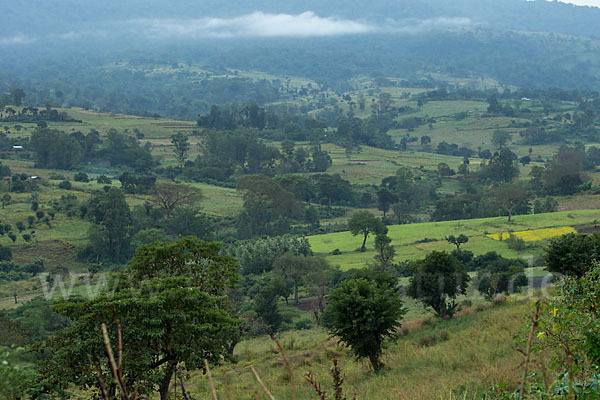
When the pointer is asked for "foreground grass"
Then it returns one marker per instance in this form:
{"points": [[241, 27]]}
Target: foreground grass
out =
{"points": [[479, 352], [408, 240]]}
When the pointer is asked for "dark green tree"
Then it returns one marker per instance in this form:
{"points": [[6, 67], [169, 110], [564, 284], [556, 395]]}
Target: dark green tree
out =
{"points": [[438, 279], [502, 276], [181, 147], [110, 234], [384, 250], [384, 200], [457, 240], [501, 167], [188, 221], [172, 308], [363, 313], [268, 291], [572, 254]]}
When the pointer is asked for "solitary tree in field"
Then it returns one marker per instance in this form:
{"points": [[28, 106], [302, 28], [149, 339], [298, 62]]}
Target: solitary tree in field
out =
{"points": [[182, 146], [365, 223], [508, 196], [438, 279], [457, 240], [363, 313], [169, 196]]}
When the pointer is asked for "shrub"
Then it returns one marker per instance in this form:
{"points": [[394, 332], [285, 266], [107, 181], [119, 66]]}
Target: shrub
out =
{"points": [[81, 177], [426, 341], [5, 253], [303, 324], [103, 179], [515, 243]]}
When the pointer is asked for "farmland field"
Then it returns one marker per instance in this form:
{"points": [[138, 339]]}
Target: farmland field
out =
{"points": [[431, 235]]}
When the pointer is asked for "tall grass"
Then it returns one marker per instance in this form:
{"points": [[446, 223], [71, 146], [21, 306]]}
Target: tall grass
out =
{"points": [[473, 351]]}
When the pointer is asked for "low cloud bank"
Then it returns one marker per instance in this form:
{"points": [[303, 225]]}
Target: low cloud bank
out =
{"points": [[254, 25], [259, 24]]}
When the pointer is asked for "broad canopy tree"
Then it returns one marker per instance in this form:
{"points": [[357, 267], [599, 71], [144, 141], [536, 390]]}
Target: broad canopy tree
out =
{"points": [[365, 223], [172, 305], [169, 196], [508, 197], [458, 240]]}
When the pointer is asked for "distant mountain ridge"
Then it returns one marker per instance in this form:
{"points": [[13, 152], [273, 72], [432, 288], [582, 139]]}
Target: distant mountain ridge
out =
{"points": [[60, 17]]}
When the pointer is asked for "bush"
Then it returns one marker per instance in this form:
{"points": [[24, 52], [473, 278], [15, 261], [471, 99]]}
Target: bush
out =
{"points": [[57, 177], [5, 253], [103, 179], [426, 341], [515, 243], [81, 177], [303, 324], [66, 185]]}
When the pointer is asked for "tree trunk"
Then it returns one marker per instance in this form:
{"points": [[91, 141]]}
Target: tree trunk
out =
{"points": [[509, 215], [296, 301], [374, 362], [166, 381], [363, 248]]}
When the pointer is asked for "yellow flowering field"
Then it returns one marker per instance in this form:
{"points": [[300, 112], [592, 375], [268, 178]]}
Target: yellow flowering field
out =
{"points": [[536, 234]]}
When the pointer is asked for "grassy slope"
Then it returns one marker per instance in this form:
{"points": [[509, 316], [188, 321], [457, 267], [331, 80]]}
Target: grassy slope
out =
{"points": [[480, 351]]}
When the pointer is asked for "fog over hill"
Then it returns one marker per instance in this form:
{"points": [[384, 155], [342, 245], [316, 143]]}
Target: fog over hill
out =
{"points": [[515, 42], [66, 19]]}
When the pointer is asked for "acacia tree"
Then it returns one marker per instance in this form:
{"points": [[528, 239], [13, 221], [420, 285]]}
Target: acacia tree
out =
{"points": [[363, 312], [438, 278], [457, 240], [172, 305], [365, 223], [169, 196], [508, 196]]}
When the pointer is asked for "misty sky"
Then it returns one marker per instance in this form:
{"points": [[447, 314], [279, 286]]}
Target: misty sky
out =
{"points": [[595, 3], [245, 24]]}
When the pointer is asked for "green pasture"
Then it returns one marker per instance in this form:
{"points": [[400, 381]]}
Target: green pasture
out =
{"points": [[219, 201], [150, 127], [405, 238], [370, 165]]}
